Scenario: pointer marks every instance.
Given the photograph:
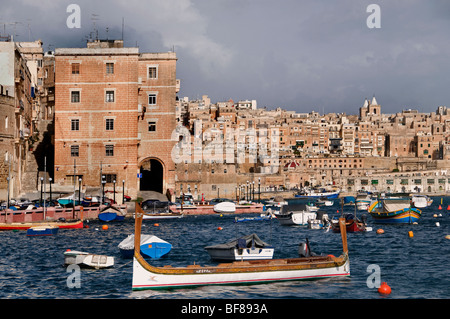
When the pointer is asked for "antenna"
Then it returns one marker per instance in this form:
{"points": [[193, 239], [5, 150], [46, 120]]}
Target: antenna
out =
{"points": [[123, 19]]}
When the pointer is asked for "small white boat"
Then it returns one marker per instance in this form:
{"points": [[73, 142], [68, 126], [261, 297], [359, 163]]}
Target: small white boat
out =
{"points": [[225, 208], [324, 202], [295, 215], [419, 201], [363, 201], [310, 207], [84, 259], [321, 221], [249, 247]]}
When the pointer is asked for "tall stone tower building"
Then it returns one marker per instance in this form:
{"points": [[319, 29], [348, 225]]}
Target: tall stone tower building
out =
{"points": [[114, 115]]}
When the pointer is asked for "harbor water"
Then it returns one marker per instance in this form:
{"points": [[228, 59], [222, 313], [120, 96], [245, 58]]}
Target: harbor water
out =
{"points": [[414, 267]]}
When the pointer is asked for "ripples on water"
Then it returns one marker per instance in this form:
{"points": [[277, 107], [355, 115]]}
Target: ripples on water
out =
{"points": [[32, 267]]}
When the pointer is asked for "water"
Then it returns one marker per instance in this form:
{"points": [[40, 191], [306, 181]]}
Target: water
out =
{"points": [[417, 267]]}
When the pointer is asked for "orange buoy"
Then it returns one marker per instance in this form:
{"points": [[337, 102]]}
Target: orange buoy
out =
{"points": [[156, 225], [86, 226], [410, 234], [448, 207], [105, 227], [384, 289], [440, 207], [219, 228], [447, 236], [380, 231]]}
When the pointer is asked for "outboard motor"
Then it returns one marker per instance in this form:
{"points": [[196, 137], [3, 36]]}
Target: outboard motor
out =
{"points": [[303, 250]]}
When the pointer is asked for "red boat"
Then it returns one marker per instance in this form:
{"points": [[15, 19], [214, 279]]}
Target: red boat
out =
{"points": [[60, 224], [352, 224]]}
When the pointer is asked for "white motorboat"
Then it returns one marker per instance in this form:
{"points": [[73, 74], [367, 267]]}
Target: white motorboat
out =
{"points": [[249, 247], [420, 201], [225, 208], [84, 259], [295, 215]]}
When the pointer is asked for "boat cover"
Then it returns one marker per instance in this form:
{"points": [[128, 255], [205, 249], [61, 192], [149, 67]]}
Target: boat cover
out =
{"points": [[243, 242], [394, 205], [285, 209], [128, 243]]}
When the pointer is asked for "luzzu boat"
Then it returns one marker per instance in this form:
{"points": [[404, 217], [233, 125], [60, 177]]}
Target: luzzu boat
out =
{"points": [[395, 211], [146, 276]]}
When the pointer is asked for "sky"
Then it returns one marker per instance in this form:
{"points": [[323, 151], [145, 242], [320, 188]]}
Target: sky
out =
{"points": [[315, 55]]}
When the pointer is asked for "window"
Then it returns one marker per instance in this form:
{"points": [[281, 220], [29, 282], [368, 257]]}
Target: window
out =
{"points": [[74, 150], [152, 72], [152, 99], [109, 68], [109, 150], [151, 126], [110, 178], [110, 124], [109, 96], [75, 68], [75, 125], [75, 96], [6, 122]]}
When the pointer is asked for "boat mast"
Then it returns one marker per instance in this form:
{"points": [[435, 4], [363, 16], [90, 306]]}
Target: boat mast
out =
{"points": [[45, 181]]}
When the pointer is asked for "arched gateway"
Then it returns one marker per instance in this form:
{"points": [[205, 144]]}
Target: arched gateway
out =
{"points": [[152, 175]]}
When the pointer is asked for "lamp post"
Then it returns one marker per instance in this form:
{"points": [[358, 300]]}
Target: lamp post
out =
{"points": [[103, 189], [259, 189], [114, 189], [50, 184], [253, 191], [79, 190], [246, 193], [123, 191], [42, 185]]}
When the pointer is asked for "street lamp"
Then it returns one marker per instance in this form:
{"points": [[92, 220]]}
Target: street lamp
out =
{"points": [[42, 185], [79, 191], [259, 189], [50, 183], [114, 189], [123, 191], [253, 191], [103, 189], [246, 193]]}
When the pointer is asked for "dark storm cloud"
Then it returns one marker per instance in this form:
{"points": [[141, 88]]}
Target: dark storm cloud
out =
{"points": [[299, 55]]}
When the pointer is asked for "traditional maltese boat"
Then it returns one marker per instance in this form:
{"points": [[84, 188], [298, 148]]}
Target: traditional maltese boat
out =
{"points": [[146, 276], [394, 212]]}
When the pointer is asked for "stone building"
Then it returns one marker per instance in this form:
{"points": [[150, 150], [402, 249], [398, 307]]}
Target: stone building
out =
{"points": [[114, 115]]}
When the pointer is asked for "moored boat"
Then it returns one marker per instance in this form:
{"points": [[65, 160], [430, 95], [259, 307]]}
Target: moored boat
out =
{"points": [[24, 226], [249, 247], [151, 246], [225, 208], [146, 276], [295, 214], [87, 260], [394, 212], [420, 201], [352, 224], [321, 193], [43, 230]]}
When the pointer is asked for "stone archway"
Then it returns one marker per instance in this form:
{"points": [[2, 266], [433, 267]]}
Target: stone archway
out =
{"points": [[152, 175]]}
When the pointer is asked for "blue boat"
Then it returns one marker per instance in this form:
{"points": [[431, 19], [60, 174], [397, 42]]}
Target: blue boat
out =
{"points": [[394, 212], [44, 230], [151, 246], [111, 213]]}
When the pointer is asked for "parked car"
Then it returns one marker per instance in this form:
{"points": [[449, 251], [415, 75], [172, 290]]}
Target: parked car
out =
{"points": [[154, 203]]}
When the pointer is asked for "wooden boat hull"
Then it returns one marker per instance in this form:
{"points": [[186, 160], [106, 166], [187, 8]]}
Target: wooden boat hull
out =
{"points": [[25, 226], [237, 273], [406, 216], [146, 276], [107, 216], [42, 231]]}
